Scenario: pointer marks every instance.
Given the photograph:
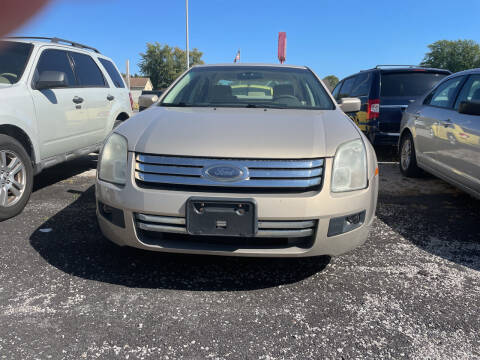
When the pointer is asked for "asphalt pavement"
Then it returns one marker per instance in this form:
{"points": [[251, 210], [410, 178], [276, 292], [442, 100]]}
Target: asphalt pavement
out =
{"points": [[412, 291]]}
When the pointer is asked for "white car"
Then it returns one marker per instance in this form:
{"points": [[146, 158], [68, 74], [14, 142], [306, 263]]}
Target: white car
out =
{"points": [[58, 100], [240, 160]]}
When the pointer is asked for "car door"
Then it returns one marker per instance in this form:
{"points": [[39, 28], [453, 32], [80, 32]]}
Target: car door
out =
{"points": [[118, 94], [95, 92], [60, 115], [431, 121], [463, 159]]}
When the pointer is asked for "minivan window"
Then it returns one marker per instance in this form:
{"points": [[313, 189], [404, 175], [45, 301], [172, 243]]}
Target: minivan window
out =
{"points": [[337, 90], [412, 83], [55, 60], [113, 73], [247, 86], [361, 86], [88, 73], [347, 87], [13, 59], [445, 93]]}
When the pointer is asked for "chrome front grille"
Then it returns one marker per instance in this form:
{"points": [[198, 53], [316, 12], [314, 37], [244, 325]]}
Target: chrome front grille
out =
{"points": [[266, 228], [277, 175]]}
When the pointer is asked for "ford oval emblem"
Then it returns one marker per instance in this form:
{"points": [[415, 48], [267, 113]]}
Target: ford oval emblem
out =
{"points": [[225, 172]]}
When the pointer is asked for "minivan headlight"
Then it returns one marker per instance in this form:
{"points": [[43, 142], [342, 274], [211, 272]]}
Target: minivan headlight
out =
{"points": [[113, 160], [350, 167]]}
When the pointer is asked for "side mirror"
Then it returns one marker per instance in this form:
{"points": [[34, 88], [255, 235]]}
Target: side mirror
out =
{"points": [[51, 79], [349, 105], [144, 101], [469, 108]]}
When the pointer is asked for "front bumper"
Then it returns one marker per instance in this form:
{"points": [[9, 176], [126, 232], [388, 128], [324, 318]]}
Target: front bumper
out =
{"points": [[320, 206]]}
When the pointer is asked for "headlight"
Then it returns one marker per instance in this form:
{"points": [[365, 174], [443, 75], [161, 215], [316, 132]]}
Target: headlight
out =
{"points": [[113, 160], [350, 167]]}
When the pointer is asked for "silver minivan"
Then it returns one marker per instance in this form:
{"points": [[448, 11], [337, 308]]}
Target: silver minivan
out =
{"points": [[440, 133]]}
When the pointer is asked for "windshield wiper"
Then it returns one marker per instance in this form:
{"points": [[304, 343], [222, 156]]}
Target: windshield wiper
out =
{"points": [[180, 104]]}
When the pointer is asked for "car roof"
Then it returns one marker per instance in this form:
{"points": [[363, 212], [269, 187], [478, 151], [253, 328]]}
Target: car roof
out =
{"points": [[405, 69], [39, 42], [253, 65], [467, 72]]}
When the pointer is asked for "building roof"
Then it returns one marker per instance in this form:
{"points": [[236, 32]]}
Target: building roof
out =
{"points": [[138, 82]]}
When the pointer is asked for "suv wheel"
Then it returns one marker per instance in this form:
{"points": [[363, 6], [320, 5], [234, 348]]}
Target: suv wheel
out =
{"points": [[408, 159], [16, 177]]}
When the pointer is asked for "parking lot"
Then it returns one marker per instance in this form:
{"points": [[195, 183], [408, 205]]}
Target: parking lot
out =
{"points": [[412, 291]]}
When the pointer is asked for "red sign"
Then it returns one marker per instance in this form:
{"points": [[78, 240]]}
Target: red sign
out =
{"points": [[282, 46]]}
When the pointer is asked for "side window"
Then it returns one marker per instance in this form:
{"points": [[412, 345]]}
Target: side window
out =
{"points": [[113, 73], [470, 91], [361, 87], [88, 73], [55, 60], [347, 87], [444, 95], [337, 90]]}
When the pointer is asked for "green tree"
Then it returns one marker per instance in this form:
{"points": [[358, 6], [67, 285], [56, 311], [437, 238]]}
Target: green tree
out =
{"points": [[455, 55], [330, 81], [163, 64]]}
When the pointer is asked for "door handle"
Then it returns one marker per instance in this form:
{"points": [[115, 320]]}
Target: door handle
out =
{"points": [[447, 123], [77, 100], [110, 97]]}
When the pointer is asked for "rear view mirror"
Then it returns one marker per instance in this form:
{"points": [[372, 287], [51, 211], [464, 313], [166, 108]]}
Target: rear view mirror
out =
{"points": [[144, 101], [469, 108], [349, 105], [51, 79]]}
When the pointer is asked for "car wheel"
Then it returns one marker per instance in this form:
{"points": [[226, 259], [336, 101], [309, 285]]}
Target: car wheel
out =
{"points": [[16, 177], [408, 159], [451, 139]]}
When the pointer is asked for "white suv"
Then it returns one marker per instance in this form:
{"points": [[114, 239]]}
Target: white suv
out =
{"points": [[58, 100]]}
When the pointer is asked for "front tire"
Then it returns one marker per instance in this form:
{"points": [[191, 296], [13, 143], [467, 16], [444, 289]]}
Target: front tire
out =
{"points": [[16, 177], [408, 159]]}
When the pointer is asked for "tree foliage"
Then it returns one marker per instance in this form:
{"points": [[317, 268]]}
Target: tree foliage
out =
{"points": [[163, 64], [330, 81], [455, 55]]}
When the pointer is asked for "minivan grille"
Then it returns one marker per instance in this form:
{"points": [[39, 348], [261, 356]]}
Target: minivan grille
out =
{"points": [[191, 173]]}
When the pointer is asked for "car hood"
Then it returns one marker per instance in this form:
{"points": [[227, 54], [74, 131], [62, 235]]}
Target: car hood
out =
{"points": [[238, 132]]}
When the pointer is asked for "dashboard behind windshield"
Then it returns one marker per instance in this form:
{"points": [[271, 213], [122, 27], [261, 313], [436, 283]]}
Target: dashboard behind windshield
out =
{"points": [[249, 86]]}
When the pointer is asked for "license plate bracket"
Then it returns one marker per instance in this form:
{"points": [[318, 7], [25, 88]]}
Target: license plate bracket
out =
{"points": [[221, 217]]}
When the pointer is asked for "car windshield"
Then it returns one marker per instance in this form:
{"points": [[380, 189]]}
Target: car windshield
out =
{"points": [[13, 58], [249, 86], [410, 83]]}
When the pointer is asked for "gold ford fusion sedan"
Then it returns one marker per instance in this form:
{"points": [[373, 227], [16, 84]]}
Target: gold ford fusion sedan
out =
{"points": [[281, 173]]}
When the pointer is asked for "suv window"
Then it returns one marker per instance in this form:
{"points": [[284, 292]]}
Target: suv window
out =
{"points": [[412, 83], [13, 59], [470, 91], [113, 73], [87, 71], [361, 87], [347, 87], [55, 60], [444, 95]]}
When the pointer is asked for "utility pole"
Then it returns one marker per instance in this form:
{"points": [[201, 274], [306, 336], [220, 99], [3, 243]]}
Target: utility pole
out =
{"points": [[128, 74], [188, 53]]}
